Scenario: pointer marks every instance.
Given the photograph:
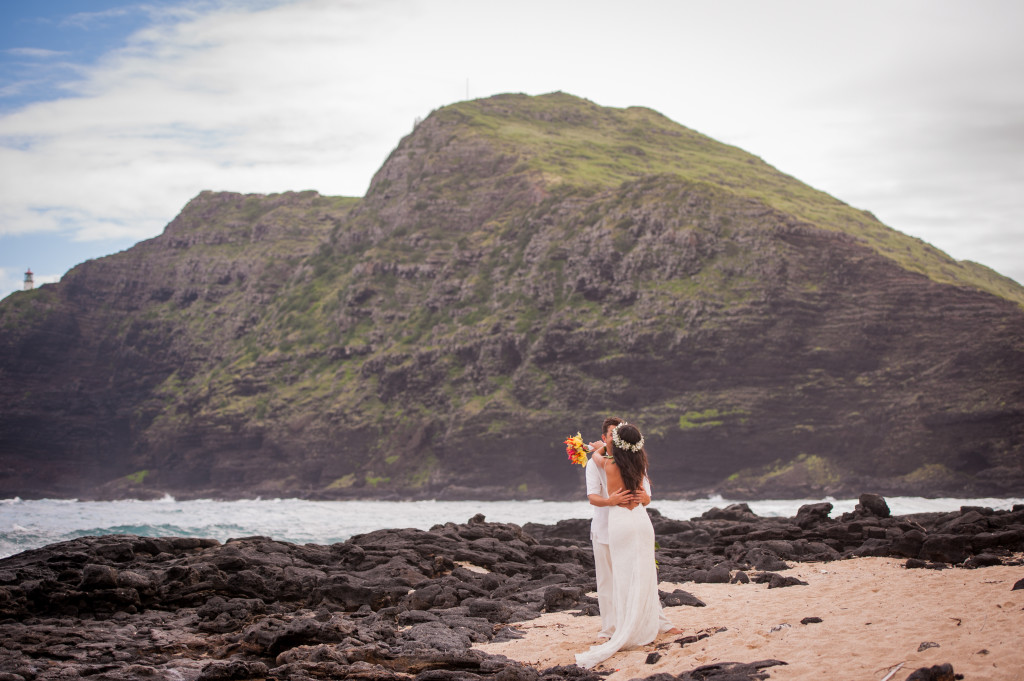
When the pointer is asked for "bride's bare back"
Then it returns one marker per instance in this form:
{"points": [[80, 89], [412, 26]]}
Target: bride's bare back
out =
{"points": [[615, 482]]}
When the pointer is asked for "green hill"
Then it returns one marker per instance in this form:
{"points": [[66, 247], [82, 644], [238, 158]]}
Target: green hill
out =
{"points": [[519, 268]]}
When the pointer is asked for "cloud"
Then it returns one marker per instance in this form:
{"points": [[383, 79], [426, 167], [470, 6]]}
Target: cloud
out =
{"points": [[229, 100], [925, 129], [152, 10], [87, 20], [938, 156], [34, 52]]}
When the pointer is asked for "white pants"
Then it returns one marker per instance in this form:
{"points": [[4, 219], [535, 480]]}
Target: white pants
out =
{"points": [[605, 602]]}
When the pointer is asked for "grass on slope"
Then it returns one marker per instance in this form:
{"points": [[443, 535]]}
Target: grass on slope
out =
{"points": [[571, 141]]}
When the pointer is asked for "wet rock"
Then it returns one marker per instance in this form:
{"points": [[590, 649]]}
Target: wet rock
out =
{"points": [[873, 547], [1003, 539], [908, 544], [969, 521], [446, 675], [341, 591], [273, 635], [439, 636], [941, 672], [498, 611], [570, 672], [764, 559], [983, 560], [234, 609], [810, 515], [730, 512], [723, 671], [233, 671], [945, 548], [562, 598], [98, 577], [477, 628], [408, 617], [678, 598], [873, 504], [424, 599], [517, 672], [778, 582], [817, 551], [740, 578], [133, 580], [684, 641], [917, 563], [720, 574], [697, 576], [393, 604]]}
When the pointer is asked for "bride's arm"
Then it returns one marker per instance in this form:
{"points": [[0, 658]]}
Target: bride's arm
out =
{"points": [[597, 453], [596, 489]]}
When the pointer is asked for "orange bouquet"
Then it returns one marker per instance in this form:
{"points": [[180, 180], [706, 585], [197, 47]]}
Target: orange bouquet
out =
{"points": [[576, 450]]}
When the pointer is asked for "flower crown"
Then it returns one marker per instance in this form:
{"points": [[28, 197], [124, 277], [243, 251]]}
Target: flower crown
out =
{"points": [[622, 444]]}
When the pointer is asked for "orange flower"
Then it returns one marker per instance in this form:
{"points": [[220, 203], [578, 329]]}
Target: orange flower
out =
{"points": [[576, 450]]}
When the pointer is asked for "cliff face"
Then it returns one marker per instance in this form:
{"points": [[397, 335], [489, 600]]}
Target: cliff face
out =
{"points": [[520, 268]]}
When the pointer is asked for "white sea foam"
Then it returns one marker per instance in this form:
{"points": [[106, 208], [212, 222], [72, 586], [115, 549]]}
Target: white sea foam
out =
{"points": [[29, 524]]}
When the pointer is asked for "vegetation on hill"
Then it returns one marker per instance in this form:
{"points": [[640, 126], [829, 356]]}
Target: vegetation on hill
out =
{"points": [[577, 143], [520, 268]]}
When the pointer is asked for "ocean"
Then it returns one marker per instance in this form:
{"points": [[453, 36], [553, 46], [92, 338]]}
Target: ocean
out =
{"points": [[32, 524]]}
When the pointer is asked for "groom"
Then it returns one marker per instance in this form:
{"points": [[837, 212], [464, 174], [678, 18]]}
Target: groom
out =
{"points": [[601, 499]]}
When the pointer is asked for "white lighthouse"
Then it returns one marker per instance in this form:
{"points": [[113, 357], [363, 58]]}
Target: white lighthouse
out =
{"points": [[29, 284]]}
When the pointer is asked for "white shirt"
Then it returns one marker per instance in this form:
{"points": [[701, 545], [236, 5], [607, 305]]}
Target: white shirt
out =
{"points": [[597, 483]]}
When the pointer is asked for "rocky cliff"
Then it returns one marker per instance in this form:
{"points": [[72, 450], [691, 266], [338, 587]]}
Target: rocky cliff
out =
{"points": [[519, 268]]}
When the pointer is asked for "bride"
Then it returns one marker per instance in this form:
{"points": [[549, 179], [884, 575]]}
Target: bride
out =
{"points": [[631, 541]]}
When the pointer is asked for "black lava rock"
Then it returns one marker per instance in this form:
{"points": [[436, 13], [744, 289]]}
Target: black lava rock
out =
{"points": [[400, 604]]}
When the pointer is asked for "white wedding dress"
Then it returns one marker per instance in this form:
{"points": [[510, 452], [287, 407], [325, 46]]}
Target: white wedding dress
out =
{"points": [[637, 610]]}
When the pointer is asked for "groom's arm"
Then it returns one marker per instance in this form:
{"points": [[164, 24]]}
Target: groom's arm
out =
{"points": [[594, 485], [595, 488], [620, 498]]}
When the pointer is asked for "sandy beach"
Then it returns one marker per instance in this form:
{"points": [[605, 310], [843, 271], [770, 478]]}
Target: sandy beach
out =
{"points": [[875, 615]]}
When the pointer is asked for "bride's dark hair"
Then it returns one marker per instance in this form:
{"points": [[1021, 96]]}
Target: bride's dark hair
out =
{"points": [[632, 465]]}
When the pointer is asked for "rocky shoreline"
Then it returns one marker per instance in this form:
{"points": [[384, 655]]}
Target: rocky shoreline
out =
{"points": [[891, 487], [403, 603]]}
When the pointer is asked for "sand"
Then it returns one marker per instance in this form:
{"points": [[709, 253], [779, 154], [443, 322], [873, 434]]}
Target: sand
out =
{"points": [[875, 613]]}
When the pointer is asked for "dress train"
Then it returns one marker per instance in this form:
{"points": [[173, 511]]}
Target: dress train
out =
{"points": [[637, 610]]}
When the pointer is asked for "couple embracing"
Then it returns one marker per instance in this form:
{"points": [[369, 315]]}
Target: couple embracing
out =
{"points": [[623, 540]]}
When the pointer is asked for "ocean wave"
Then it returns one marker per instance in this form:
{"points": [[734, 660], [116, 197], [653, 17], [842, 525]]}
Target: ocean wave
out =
{"points": [[35, 523]]}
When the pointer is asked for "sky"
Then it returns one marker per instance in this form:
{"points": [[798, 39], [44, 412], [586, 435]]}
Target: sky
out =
{"points": [[115, 113]]}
